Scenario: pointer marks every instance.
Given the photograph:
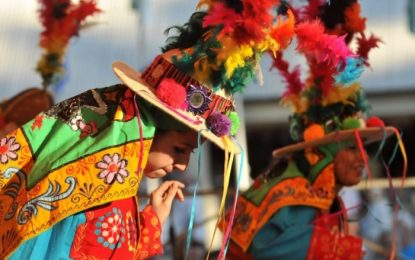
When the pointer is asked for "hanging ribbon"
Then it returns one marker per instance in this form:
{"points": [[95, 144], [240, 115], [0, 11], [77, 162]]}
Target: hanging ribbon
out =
{"points": [[192, 210], [226, 239], [363, 152], [229, 156]]}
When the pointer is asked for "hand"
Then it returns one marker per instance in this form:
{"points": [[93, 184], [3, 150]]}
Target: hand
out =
{"points": [[162, 198]]}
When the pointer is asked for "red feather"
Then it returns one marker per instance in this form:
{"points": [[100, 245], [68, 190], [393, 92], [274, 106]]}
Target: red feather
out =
{"points": [[312, 10], [222, 15], [249, 31], [365, 45], [258, 10], [284, 31], [320, 47], [292, 79], [321, 77], [354, 22]]}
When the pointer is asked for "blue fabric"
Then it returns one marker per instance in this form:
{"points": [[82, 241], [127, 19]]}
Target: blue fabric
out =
{"points": [[55, 243], [286, 235]]}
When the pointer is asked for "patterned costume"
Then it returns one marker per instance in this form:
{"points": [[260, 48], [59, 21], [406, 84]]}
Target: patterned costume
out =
{"points": [[292, 210], [72, 171], [291, 217], [74, 168]]}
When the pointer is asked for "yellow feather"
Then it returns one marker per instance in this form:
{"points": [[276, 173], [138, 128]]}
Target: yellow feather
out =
{"points": [[268, 44], [298, 104], [202, 70], [237, 59], [341, 94]]}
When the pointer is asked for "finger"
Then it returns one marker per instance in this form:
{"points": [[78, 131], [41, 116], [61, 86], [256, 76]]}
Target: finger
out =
{"points": [[179, 195], [163, 188], [171, 195], [180, 184]]}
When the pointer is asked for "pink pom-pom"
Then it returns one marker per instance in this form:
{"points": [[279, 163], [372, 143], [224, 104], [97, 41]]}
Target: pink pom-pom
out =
{"points": [[375, 121], [171, 93], [219, 124]]}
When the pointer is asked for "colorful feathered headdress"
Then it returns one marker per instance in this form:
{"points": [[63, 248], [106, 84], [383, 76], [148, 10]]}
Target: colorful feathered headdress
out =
{"points": [[331, 95], [222, 44], [208, 59], [61, 20]]}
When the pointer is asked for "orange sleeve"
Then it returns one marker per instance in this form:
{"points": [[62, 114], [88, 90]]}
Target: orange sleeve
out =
{"points": [[150, 234]]}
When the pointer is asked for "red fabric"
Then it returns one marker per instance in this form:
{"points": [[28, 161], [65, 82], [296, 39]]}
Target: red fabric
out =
{"points": [[110, 232], [331, 241], [236, 253], [150, 234], [328, 244]]}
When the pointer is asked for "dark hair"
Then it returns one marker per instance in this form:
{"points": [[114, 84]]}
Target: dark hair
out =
{"points": [[160, 119], [275, 168], [188, 34], [191, 32], [302, 163]]}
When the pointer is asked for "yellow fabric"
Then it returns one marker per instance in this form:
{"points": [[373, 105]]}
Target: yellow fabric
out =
{"points": [[67, 190]]}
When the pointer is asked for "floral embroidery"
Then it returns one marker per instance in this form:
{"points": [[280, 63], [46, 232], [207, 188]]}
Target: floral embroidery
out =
{"points": [[88, 129], [112, 168], [110, 229], [77, 122], [37, 122], [8, 149]]}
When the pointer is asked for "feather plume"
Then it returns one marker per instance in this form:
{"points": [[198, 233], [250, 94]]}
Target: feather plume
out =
{"points": [[320, 47], [341, 94], [354, 68], [312, 10], [61, 21], [258, 10], [283, 32], [224, 16], [292, 79], [365, 45], [354, 22]]}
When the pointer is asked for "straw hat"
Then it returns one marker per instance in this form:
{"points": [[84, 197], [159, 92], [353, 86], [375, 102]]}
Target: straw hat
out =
{"points": [[215, 55], [329, 106], [25, 105]]}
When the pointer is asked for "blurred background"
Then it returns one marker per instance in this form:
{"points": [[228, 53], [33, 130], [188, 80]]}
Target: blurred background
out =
{"points": [[132, 31]]}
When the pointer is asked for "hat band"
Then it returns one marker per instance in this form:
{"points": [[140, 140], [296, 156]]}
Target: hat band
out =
{"points": [[202, 101]]}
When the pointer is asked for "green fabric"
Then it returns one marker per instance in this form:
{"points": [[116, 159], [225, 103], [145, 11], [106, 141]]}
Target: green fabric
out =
{"points": [[286, 235], [56, 144], [257, 194], [323, 163]]}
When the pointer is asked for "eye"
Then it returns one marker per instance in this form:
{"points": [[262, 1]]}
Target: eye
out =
{"points": [[179, 150]]}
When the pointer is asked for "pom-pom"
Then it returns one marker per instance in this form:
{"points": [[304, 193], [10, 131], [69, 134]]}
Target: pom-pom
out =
{"points": [[219, 124], [351, 123], [313, 132], [233, 116], [375, 121], [171, 93]]}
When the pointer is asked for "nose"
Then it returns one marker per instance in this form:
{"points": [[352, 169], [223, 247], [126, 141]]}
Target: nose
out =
{"points": [[180, 166], [181, 162]]}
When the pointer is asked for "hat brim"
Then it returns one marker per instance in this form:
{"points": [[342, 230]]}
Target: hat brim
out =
{"points": [[25, 105], [133, 80], [368, 135]]}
